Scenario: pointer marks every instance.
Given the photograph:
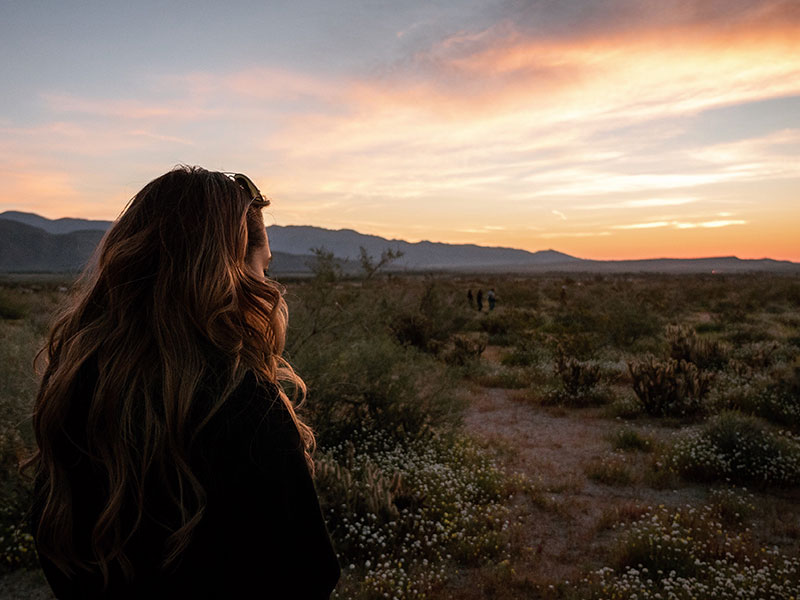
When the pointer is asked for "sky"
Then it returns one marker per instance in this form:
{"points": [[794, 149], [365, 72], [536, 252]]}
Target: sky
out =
{"points": [[606, 129]]}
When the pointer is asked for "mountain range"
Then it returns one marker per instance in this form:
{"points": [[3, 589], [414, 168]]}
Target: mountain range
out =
{"points": [[32, 243]]}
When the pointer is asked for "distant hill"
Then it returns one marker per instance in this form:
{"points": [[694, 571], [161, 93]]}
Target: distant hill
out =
{"points": [[65, 225], [29, 242], [346, 243], [24, 248]]}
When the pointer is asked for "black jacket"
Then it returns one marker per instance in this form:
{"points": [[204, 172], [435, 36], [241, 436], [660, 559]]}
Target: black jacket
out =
{"points": [[262, 534]]}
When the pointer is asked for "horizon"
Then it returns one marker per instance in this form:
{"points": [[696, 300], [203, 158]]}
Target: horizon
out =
{"points": [[611, 130], [543, 250]]}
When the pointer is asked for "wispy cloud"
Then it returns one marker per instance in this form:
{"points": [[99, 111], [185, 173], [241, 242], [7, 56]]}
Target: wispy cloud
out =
{"points": [[644, 203], [650, 225], [572, 234], [682, 224]]}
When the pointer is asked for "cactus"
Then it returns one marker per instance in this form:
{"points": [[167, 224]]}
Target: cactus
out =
{"points": [[579, 381], [364, 488], [685, 345], [669, 388], [462, 349]]}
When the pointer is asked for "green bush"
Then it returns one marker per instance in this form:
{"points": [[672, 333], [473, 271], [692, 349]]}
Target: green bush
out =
{"points": [[628, 320], [373, 382], [428, 323], [11, 306]]}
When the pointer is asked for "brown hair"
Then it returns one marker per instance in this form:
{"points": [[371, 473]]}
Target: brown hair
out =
{"points": [[167, 310]]}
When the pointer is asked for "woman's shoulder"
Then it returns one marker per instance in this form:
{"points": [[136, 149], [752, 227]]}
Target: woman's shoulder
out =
{"points": [[256, 398], [255, 414]]}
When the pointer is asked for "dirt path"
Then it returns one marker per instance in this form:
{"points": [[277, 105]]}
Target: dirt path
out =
{"points": [[564, 522]]}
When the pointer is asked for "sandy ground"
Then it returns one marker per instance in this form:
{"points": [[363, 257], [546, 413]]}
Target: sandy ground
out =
{"points": [[563, 523], [24, 585]]}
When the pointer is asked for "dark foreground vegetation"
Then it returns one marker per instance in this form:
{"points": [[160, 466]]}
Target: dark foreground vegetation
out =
{"points": [[696, 377]]}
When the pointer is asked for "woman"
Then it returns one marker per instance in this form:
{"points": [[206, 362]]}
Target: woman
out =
{"points": [[170, 460]]}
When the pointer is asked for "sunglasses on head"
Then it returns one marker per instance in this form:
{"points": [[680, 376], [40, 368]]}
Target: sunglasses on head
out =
{"points": [[257, 198]]}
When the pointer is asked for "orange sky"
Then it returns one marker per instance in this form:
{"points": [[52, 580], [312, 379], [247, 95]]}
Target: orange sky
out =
{"points": [[628, 130]]}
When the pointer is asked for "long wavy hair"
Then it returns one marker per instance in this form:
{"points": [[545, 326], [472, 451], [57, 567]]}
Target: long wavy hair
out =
{"points": [[168, 311]]}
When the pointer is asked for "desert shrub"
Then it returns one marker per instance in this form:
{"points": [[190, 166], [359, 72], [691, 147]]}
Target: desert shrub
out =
{"points": [[582, 346], [363, 487], [628, 320], [776, 399], [576, 319], [669, 388], [372, 381], [630, 439], [737, 448], [760, 355], [508, 378], [508, 327], [522, 293], [413, 329], [462, 350], [684, 554], [684, 344], [732, 506], [747, 334], [17, 548], [614, 319], [11, 306], [527, 351], [429, 322], [709, 327], [401, 514], [579, 383], [19, 340], [610, 470], [625, 407]]}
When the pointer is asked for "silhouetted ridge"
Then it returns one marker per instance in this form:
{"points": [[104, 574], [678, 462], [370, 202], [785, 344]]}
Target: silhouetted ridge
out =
{"points": [[29, 242]]}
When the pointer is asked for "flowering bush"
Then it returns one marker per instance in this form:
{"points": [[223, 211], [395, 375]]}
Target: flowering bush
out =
{"points": [[440, 501], [17, 548], [684, 554], [758, 394], [740, 449]]}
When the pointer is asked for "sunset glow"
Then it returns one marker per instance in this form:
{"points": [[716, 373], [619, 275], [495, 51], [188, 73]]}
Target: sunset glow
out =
{"points": [[630, 129]]}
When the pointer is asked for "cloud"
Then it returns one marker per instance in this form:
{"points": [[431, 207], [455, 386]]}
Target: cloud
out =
{"points": [[683, 225], [573, 234], [539, 104], [650, 225], [644, 203]]}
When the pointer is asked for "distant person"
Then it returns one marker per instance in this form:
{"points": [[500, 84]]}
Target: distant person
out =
{"points": [[492, 299], [170, 462], [479, 300], [562, 297], [470, 299]]}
